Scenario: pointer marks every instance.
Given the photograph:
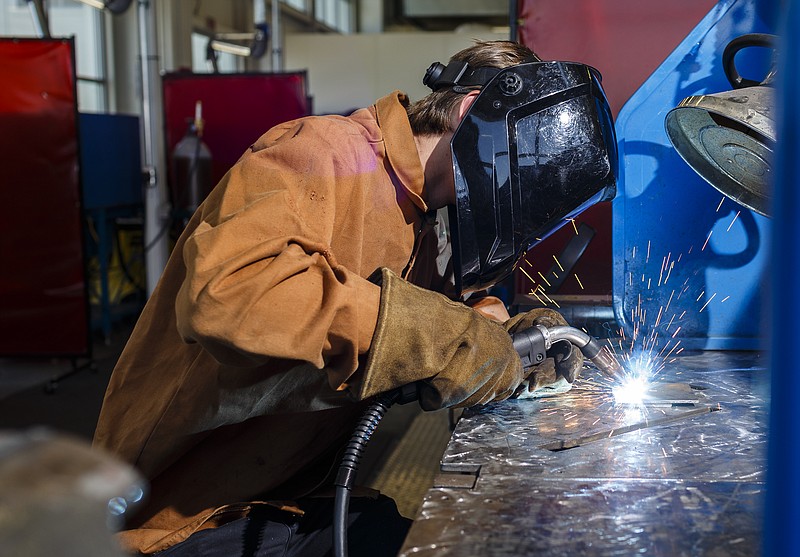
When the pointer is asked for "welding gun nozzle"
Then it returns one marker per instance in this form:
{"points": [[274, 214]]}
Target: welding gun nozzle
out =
{"points": [[600, 355], [603, 358], [608, 364]]}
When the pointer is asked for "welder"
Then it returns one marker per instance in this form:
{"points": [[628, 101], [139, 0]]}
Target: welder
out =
{"points": [[314, 277]]}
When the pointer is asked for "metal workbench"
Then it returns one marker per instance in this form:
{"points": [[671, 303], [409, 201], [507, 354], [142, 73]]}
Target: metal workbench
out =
{"points": [[579, 474]]}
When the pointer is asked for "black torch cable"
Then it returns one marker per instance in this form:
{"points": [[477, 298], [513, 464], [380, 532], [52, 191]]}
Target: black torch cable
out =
{"points": [[349, 467]]}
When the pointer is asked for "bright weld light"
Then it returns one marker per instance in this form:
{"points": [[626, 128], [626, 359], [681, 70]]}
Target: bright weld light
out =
{"points": [[631, 390], [632, 387]]}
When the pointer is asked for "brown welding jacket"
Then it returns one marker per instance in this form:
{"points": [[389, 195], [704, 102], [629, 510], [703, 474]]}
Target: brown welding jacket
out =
{"points": [[231, 387]]}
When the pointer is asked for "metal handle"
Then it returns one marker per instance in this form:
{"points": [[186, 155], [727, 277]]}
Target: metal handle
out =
{"points": [[737, 44], [531, 345]]}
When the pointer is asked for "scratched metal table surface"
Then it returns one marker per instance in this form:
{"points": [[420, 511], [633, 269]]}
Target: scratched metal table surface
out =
{"points": [[579, 474]]}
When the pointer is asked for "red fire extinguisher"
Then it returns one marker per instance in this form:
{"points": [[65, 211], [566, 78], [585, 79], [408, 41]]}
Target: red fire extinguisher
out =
{"points": [[191, 163]]}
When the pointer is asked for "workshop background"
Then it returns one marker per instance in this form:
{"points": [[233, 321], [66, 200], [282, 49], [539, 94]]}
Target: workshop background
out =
{"points": [[117, 117]]}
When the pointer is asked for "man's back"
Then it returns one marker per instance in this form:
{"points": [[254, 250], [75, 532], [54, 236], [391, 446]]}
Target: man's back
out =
{"points": [[221, 384]]}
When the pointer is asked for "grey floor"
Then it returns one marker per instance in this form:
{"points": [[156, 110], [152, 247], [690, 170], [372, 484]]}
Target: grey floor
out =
{"points": [[57, 393]]}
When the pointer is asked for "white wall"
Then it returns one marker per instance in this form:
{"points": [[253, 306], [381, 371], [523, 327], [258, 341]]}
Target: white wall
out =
{"points": [[352, 71]]}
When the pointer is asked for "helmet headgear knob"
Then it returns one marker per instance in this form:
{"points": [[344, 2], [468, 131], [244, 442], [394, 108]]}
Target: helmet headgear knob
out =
{"points": [[432, 74]]}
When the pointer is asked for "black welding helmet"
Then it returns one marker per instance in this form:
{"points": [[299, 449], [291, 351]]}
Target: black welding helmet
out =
{"points": [[536, 148]]}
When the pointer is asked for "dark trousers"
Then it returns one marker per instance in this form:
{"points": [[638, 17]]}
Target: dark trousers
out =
{"points": [[375, 529]]}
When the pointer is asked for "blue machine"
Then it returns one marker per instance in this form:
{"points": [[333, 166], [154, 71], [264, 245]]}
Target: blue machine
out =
{"points": [[111, 166], [111, 175], [691, 265]]}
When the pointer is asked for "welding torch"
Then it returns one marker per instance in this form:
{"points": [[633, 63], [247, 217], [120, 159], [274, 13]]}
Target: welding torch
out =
{"points": [[532, 343]]}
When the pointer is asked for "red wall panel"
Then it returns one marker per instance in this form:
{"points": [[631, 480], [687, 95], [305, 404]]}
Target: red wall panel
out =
{"points": [[237, 110], [43, 300]]}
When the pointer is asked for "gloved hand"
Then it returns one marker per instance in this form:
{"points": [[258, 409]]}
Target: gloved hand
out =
{"points": [[562, 363], [457, 356]]}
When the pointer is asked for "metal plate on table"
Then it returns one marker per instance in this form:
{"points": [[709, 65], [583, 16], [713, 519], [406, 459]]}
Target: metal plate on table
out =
{"points": [[579, 473]]}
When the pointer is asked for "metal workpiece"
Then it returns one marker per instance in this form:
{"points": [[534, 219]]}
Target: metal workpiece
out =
{"points": [[580, 473], [608, 517]]}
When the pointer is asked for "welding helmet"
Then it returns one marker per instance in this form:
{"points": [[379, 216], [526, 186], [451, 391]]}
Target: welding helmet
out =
{"points": [[536, 148]]}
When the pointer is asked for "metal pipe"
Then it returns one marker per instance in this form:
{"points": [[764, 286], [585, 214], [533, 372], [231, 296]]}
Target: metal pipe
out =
{"points": [[591, 348], [513, 21], [39, 16], [259, 11], [277, 53], [155, 218]]}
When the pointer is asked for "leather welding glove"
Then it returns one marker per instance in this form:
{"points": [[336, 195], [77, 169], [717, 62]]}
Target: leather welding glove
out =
{"points": [[456, 356], [563, 360]]}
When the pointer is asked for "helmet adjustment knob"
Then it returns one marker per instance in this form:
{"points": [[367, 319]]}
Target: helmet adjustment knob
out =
{"points": [[510, 84]]}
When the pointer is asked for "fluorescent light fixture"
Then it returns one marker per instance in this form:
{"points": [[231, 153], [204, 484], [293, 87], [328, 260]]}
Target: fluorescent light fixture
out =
{"points": [[113, 6], [94, 3], [229, 48], [223, 42]]}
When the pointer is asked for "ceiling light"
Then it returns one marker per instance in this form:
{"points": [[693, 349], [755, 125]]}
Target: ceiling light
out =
{"points": [[113, 6]]}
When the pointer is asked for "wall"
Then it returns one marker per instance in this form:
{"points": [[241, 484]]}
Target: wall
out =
{"points": [[346, 72]]}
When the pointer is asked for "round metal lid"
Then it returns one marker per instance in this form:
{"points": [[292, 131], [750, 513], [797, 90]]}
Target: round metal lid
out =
{"points": [[728, 143]]}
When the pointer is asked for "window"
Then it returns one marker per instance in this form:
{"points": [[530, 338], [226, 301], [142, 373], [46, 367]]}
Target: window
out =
{"points": [[338, 14], [68, 18], [299, 5]]}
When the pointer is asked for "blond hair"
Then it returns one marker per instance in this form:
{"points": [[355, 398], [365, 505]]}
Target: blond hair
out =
{"points": [[431, 115]]}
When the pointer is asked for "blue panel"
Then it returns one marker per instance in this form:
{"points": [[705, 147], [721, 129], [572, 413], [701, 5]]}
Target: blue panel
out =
{"points": [[689, 266], [111, 167], [782, 516]]}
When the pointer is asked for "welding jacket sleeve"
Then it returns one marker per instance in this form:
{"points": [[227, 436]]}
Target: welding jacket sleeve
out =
{"points": [[456, 356]]}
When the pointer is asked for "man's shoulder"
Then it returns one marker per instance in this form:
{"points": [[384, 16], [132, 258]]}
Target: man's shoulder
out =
{"points": [[334, 128], [361, 122]]}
